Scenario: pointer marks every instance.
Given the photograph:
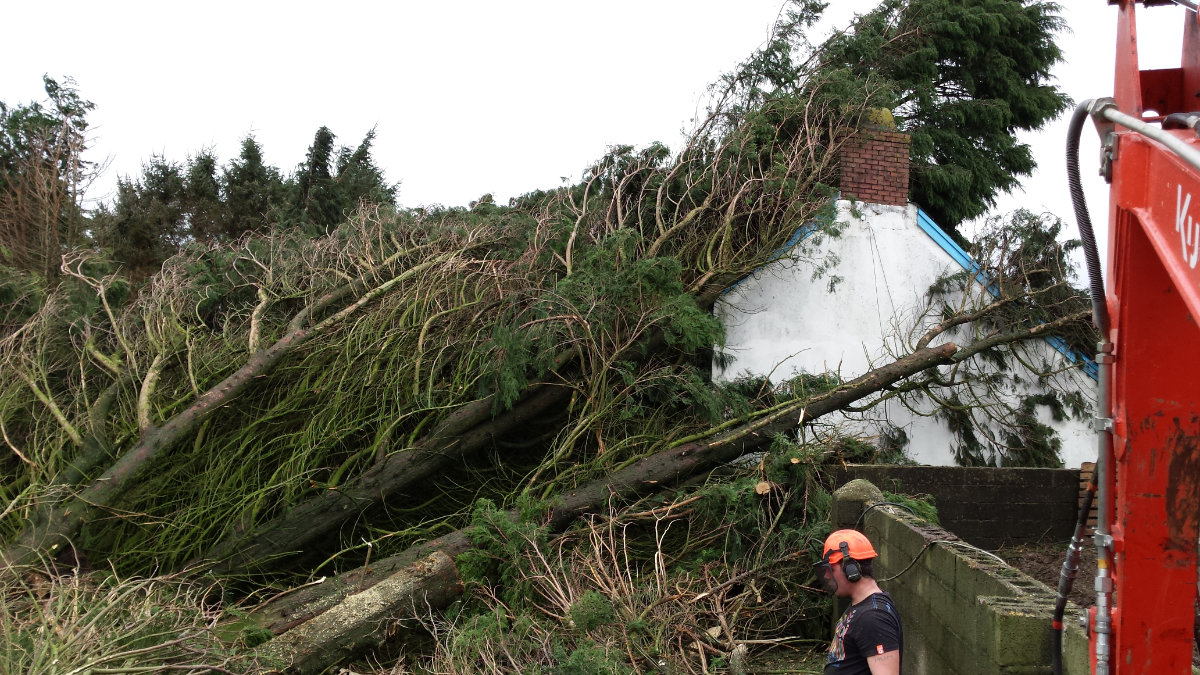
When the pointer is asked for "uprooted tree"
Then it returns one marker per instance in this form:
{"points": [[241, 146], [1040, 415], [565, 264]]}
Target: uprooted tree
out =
{"points": [[284, 401]]}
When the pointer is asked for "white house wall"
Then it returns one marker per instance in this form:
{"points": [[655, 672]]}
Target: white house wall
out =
{"points": [[781, 322]]}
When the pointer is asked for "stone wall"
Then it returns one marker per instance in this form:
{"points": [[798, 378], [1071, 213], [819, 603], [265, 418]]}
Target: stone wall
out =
{"points": [[985, 506]]}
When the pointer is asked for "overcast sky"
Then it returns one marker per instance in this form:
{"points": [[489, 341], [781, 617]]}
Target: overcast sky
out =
{"points": [[468, 96]]}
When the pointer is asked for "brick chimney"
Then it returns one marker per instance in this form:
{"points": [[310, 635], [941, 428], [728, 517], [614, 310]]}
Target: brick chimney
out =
{"points": [[874, 164]]}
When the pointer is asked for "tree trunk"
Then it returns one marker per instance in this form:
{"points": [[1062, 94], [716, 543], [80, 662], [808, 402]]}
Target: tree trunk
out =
{"points": [[462, 434], [366, 618], [459, 436], [53, 525], [302, 604], [649, 475]]}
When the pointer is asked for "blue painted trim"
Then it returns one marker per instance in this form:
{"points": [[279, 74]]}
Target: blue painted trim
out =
{"points": [[939, 236], [951, 247]]}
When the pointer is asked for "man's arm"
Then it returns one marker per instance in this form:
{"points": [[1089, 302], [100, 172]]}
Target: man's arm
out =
{"points": [[887, 663]]}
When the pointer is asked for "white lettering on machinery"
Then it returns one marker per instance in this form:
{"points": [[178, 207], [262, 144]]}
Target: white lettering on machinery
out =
{"points": [[1188, 229]]}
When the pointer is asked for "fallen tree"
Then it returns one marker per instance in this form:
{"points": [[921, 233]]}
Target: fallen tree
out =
{"points": [[282, 399], [649, 475], [657, 472], [611, 276]]}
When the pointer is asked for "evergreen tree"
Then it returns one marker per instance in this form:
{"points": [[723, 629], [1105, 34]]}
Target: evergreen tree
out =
{"points": [[359, 179], [207, 217], [319, 203], [327, 186], [253, 191], [963, 77], [42, 178], [148, 221]]}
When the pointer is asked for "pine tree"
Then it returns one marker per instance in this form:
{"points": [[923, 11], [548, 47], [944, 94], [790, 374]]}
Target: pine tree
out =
{"points": [[359, 179], [318, 202], [207, 217], [253, 191], [963, 77], [147, 223], [42, 178]]}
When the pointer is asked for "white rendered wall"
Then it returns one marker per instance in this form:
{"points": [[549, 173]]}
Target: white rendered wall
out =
{"points": [[781, 321]]}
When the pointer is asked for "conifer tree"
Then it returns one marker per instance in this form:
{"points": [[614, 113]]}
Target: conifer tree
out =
{"points": [[207, 216], [42, 178], [320, 205], [963, 77], [148, 222], [253, 191], [359, 179]]}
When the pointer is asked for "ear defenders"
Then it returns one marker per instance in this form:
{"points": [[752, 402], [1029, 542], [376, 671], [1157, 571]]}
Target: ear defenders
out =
{"points": [[849, 565]]}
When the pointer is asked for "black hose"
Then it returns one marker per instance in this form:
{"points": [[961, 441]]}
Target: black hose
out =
{"points": [[1066, 578], [1091, 256]]}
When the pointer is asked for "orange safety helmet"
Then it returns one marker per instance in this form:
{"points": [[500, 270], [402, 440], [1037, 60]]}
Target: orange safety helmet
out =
{"points": [[854, 541]]}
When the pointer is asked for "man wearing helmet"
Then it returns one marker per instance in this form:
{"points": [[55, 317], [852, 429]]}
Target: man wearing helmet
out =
{"points": [[868, 639]]}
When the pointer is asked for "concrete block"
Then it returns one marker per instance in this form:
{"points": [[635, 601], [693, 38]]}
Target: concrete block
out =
{"points": [[918, 658], [1017, 632], [850, 499], [1076, 652], [1026, 670], [946, 604], [977, 576]]}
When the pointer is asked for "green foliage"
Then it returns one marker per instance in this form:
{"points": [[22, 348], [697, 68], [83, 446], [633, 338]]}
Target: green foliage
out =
{"points": [[333, 181], [1028, 441], [253, 192], [25, 128], [42, 178], [1024, 255], [359, 178], [969, 451], [205, 211], [497, 541], [21, 295], [52, 624], [963, 78], [318, 202], [587, 659], [592, 610], [893, 444], [642, 586], [922, 506], [148, 220]]}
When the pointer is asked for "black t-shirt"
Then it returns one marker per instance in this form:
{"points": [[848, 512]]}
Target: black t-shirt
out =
{"points": [[871, 627]]}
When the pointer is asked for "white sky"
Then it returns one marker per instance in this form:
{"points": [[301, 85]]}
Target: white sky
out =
{"points": [[468, 96]]}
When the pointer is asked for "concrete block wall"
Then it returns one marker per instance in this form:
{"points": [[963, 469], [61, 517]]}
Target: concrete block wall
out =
{"points": [[964, 611], [988, 507]]}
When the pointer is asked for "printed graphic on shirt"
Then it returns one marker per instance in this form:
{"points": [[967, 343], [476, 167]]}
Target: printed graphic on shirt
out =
{"points": [[837, 648]]}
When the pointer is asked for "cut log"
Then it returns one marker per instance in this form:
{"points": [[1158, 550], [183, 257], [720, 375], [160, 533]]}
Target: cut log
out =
{"points": [[365, 619], [302, 604]]}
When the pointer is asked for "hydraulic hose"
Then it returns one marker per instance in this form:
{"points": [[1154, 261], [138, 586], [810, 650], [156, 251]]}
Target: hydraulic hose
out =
{"points": [[1099, 480], [1091, 253], [1066, 578]]}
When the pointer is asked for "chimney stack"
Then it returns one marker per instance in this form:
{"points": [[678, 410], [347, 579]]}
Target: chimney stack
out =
{"points": [[874, 164]]}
